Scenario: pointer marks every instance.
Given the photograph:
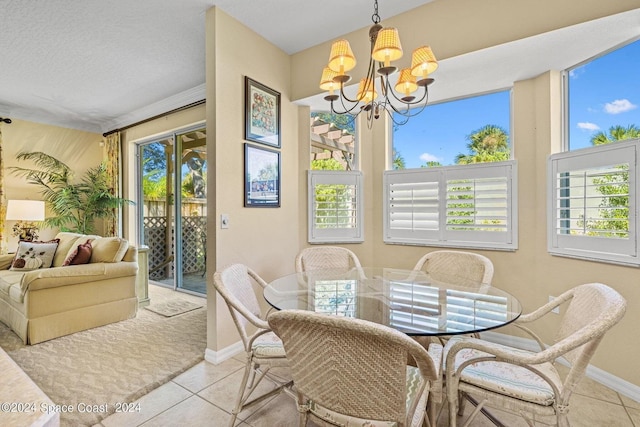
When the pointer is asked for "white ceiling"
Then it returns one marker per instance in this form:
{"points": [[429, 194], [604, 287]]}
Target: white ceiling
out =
{"points": [[100, 65]]}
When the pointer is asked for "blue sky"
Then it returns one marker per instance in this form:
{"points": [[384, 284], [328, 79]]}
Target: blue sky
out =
{"points": [[603, 93], [440, 132]]}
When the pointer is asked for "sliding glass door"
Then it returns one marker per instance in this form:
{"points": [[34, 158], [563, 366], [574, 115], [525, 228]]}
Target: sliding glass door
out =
{"points": [[173, 211]]}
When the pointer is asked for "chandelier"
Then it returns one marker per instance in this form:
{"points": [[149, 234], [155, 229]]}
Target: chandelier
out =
{"points": [[385, 47]]}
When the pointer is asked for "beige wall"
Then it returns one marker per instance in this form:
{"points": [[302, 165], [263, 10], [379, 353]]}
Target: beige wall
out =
{"points": [[456, 27], [266, 239], [79, 149]]}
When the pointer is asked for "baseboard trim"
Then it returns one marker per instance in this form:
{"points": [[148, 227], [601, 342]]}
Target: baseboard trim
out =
{"points": [[623, 387], [217, 357]]}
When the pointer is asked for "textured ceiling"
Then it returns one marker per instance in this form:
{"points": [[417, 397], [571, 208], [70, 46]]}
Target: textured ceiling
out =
{"points": [[99, 65]]}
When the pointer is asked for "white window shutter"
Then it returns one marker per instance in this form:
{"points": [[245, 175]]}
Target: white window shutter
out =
{"points": [[471, 206], [593, 207], [335, 206]]}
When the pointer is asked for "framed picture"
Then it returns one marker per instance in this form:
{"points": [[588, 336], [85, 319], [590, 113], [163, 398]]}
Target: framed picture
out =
{"points": [[261, 113], [262, 177]]}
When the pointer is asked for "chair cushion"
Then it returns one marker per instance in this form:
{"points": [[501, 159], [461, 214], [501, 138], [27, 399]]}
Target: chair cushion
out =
{"points": [[505, 378], [268, 346], [413, 392]]}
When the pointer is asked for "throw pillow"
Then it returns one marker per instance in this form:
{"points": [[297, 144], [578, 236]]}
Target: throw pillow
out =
{"points": [[34, 255], [80, 255], [109, 249]]}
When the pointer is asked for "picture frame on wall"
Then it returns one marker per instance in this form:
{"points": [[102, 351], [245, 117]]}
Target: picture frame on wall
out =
{"points": [[262, 177], [262, 113]]}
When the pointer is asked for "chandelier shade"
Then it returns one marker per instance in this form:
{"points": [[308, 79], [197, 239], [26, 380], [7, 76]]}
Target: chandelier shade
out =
{"points": [[406, 83], [366, 91], [423, 62], [387, 47], [341, 58], [327, 82], [396, 99]]}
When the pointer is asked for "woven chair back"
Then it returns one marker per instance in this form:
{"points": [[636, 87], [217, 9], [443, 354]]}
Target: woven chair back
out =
{"points": [[351, 366], [594, 308], [234, 285], [326, 257], [457, 268]]}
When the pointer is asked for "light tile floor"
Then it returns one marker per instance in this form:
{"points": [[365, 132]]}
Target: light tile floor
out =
{"points": [[203, 396]]}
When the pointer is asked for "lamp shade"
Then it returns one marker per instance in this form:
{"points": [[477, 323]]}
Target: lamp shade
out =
{"points": [[25, 210], [423, 62], [341, 58], [406, 82], [387, 47], [366, 91], [326, 81]]}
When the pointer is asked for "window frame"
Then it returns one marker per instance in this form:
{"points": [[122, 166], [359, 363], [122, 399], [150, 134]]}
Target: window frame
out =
{"points": [[440, 236], [618, 251], [335, 235]]}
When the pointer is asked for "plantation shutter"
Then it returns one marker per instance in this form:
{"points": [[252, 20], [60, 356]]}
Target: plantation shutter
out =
{"points": [[593, 203], [412, 206], [478, 204], [335, 206], [462, 206]]}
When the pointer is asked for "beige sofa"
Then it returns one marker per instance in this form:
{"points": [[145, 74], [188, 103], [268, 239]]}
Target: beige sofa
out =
{"points": [[47, 303]]}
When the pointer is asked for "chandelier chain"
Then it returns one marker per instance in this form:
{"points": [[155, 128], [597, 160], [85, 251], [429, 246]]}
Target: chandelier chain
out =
{"points": [[375, 17]]}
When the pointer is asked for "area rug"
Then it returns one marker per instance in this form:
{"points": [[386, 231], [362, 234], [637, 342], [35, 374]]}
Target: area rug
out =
{"points": [[174, 307], [111, 364]]}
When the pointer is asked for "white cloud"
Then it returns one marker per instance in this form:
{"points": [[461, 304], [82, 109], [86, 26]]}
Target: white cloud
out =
{"points": [[619, 106], [426, 157], [588, 126]]}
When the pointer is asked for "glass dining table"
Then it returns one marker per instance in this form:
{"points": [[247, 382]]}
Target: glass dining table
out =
{"points": [[409, 301]]}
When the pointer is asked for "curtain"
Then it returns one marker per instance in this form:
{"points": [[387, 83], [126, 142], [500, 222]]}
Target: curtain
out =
{"points": [[113, 224], [3, 245]]}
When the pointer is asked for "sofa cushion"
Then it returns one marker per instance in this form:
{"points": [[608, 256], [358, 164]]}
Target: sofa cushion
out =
{"points": [[34, 255], [109, 249], [68, 242], [80, 254], [8, 279]]}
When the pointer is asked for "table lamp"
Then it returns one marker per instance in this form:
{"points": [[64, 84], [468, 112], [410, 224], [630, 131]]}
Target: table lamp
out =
{"points": [[27, 213]]}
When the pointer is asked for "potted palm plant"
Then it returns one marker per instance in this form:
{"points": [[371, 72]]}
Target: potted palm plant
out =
{"points": [[75, 204]]}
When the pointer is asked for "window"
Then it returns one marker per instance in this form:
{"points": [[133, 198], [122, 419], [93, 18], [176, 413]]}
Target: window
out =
{"points": [[603, 97], [593, 203], [470, 206], [469, 130], [335, 206]]}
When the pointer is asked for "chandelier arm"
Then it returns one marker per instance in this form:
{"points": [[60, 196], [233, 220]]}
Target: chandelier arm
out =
{"points": [[396, 122], [424, 96], [407, 112], [343, 96], [345, 109]]}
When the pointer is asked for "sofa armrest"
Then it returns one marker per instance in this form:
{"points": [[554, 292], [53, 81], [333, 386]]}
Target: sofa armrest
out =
{"points": [[74, 274], [5, 261]]}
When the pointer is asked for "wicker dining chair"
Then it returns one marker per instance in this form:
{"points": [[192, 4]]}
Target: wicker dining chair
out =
{"points": [[263, 348], [326, 257], [460, 268], [349, 371], [457, 267], [527, 383]]}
